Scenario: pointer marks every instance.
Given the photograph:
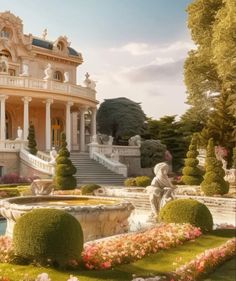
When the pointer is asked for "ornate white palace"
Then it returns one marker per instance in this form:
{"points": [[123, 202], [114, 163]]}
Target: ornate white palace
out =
{"points": [[38, 86]]}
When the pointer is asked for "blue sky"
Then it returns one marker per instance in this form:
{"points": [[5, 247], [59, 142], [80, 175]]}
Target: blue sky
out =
{"points": [[133, 48]]}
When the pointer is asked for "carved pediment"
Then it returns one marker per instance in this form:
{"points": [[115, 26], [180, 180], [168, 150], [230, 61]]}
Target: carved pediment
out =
{"points": [[61, 45]]}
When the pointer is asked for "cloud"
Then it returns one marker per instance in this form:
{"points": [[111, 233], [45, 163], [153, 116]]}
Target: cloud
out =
{"points": [[140, 49]]}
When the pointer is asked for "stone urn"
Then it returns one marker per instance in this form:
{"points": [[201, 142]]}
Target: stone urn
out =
{"points": [[42, 187]]}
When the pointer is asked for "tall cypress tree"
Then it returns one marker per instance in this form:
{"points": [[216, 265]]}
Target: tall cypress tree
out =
{"points": [[32, 145]]}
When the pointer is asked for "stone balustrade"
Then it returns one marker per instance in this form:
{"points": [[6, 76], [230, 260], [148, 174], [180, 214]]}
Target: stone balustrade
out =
{"points": [[108, 149], [51, 86], [12, 145], [36, 162]]}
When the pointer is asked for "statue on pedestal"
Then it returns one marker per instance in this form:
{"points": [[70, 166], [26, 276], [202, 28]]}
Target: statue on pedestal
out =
{"points": [[25, 70], [115, 156], [135, 141], [19, 133], [66, 77], [48, 72], [161, 189], [4, 64], [53, 155]]}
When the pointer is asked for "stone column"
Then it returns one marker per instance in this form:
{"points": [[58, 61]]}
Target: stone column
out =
{"points": [[3, 117], [68, 124], [26, 101], [93, 121], [74, 138], [82, 128], [48, 124]]}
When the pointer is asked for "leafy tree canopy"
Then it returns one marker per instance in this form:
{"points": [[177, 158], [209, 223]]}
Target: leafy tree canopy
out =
{"points": [[120, 118]]}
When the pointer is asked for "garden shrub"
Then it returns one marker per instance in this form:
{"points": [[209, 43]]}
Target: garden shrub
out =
{"points": [[192, 175], [130, 182], [152, 152], [234, 158], [9, 192], [44, 235], [187, 211], [64, 169], [213, 183], [89, 188], [32, 145], [142, 181]]}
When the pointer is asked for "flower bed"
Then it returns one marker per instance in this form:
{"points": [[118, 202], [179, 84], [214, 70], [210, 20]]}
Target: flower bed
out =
{"points": [[202, 265], [130, 247]]}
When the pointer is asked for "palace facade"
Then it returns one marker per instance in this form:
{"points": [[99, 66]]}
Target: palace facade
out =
{"points": [[38, 86]]}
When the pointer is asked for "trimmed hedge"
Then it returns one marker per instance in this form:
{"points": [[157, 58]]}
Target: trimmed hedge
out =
{"points": [[48, 236], [64, 169], [214, 183], [141, 181], [187, 211], [89, 188], [192, 175]]}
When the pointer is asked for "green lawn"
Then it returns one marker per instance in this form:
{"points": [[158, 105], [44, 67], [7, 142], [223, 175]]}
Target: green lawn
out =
{"points": [[226, 272], [161, 262]]}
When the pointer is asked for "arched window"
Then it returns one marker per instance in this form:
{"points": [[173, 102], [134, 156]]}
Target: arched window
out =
{"points": [[5, 53], [58, 76], [60, 46], [6, 33]]}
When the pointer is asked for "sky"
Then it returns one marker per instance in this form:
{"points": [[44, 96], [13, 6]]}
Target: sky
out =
{"points": [[131, 48]]}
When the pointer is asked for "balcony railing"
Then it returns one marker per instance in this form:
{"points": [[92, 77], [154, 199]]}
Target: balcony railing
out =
{"points": [[52, 86]]}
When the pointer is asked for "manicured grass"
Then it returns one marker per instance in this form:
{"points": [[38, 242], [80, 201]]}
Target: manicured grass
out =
{"points": [[226, 272], [162, 262]]}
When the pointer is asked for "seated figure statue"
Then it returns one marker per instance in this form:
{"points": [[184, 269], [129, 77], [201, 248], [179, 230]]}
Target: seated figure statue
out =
{"points": [[161, 189]]}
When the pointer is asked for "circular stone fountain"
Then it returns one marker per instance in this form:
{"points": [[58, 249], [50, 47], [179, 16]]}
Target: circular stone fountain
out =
{"points": [[98, 216]]}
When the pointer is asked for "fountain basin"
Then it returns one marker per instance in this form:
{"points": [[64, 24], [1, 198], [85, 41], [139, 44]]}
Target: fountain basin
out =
{"points": [[99, 216]]}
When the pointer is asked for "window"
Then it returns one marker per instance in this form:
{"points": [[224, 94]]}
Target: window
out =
{"points": [[12, 72], [57, 76], [60, 46], [6, 33]]}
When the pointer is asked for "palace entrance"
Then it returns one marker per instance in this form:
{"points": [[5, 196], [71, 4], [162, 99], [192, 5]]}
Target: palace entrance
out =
{"points": [[57, 129]]}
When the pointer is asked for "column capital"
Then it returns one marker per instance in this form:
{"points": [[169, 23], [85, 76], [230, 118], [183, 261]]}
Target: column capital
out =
{"points": [[48, 101], [26, 99], [83, 109], [69, 103], [3, 97]]}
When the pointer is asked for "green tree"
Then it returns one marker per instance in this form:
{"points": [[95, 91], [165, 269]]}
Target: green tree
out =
{"points": [[213, 182], [32, 145], [120, 118], [167, 130], [192, 175], [211, 67], [64, 169]]}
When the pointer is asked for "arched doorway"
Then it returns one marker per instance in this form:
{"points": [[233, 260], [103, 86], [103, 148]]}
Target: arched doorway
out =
{"points": [[8, 126], [57, 129]]}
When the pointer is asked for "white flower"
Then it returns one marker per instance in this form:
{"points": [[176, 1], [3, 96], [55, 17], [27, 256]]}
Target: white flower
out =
{"points": [[43, 277], [73, 278]]}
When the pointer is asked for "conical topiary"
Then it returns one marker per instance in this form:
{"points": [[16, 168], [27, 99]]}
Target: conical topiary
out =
{"points": [[213, 182], [64, 169], [31, 140], [192, 175]]}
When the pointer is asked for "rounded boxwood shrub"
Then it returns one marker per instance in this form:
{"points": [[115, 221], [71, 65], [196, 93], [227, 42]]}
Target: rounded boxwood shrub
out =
{"points": [[214, 183], [192, 175], [142, 181], [89, 188], [130, 182], [187, 211], [44, 235]]}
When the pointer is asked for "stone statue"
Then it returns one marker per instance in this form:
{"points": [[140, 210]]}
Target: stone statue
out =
{"points": [[161, 189], [66, 77], [53, 155], [25, 70], [115, 156], [110, 140], [43, 277], [48, 72], [221, 153], [88, 82], [19, 133], [44, 34], [135, 141], [4, 64]]}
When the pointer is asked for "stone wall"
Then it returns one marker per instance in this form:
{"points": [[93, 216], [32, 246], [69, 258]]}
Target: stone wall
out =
{"points": [[26, 171], [10, 162], [133, 164]]}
